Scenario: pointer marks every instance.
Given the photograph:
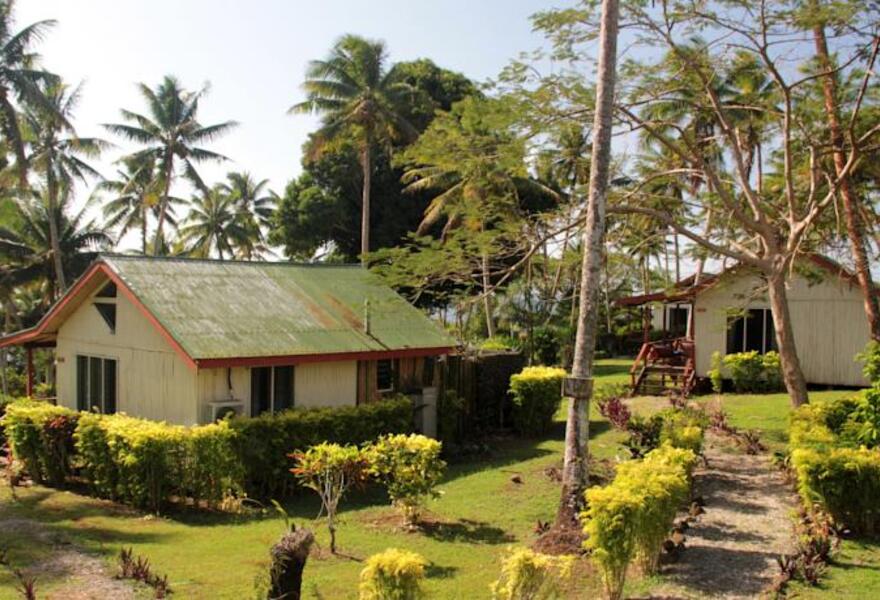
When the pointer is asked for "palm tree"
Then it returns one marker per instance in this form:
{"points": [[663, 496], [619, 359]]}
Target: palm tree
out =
{"points": [[26, 246], [358, 96], [256, 203], [170, 133], [135, 200], [216, 223], [55, 153], [20, 79]]}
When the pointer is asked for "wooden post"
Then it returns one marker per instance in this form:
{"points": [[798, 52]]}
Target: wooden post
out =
{"points": [[30, 372]]}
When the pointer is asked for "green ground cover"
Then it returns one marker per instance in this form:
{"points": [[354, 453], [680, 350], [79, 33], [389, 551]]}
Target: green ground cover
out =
{"points": [[480, 514]]}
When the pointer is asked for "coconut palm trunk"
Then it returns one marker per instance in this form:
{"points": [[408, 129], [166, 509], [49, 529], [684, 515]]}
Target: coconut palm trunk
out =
{"points": [[852, 218], [367, 164], [163, 208], [574, 470], [54, 236]]}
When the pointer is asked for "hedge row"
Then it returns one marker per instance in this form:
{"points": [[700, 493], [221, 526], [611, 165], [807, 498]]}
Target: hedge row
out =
{"points": [[148, 463], [750, 372], [836, 463], [264, 442], [630, 518]]}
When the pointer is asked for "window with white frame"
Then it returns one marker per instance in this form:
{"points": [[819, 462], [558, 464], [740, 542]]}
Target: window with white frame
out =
{"points": [[96, 383], [751, 330], [272, 389]]}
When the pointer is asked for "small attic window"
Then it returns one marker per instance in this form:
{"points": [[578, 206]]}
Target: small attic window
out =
{"points": [[108, 312], [108, 291]]}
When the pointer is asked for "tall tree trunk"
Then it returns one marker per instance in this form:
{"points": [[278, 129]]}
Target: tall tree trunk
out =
{"points": [[677, 250], [854, 226], [792, 374], [487, 296], [163, 209], [144, 212], [54, 237], [367, 165], [575, 465]]}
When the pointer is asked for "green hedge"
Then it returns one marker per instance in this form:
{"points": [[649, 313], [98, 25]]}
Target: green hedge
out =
{"points": [[750, 372], [835, 465], [263, 443], [41, 435], [146, 463], [537, 393]]}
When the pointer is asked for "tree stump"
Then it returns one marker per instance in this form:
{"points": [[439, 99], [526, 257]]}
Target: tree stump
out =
{"points": [[288, 561]]}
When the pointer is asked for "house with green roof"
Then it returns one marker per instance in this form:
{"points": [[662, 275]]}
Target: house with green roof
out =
{"points": [[186, 341]]}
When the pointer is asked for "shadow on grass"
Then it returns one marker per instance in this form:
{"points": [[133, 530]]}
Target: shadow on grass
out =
{"points": [[467, 531], [433, 571]]}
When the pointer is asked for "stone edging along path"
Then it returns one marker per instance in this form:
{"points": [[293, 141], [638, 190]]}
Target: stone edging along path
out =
{"points": [[731, 550]]}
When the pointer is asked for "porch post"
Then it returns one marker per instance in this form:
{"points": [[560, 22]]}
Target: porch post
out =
{"points": [[30, 372]]}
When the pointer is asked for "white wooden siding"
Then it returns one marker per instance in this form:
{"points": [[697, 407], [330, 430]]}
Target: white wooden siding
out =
{"points": [[326, 384], [153, 381], [828, 320]]}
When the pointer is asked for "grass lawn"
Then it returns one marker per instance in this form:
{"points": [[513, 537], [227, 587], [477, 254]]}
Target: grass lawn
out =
{"points": [[480, 514]]}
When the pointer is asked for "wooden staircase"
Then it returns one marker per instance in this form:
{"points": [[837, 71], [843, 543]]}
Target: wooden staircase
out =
{"points": [[664, 367]]}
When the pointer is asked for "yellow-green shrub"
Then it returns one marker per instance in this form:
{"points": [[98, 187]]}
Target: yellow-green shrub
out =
{"points": [[530, 575], [631, 517], [145, 463], [41, 437], [392, 575], [537, 393], [845, 482], [410, 467]]}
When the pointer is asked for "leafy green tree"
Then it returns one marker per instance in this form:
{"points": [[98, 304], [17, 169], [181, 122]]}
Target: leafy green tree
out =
{"points": [[257, 205], [56, 154], [20, 79], [170, 132], [320, 210], [359, 98]]}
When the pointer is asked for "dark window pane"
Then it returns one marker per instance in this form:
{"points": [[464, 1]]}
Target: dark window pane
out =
{"points": [[735, 333], [678, 322], [82, 382], [261, 390], [96, 381], [108, 312], [283, 388], [755, 331], [428, 372], [109, 387], [384, 375], [770, 332], [108, 291]]}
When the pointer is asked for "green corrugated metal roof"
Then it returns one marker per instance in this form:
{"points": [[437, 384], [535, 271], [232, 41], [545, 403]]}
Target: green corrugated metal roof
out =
{"points": [[221, 309]]}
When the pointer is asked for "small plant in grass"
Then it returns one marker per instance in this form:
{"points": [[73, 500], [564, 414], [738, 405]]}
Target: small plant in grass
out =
{"points": [[410, 467], [25, 584], [137, 568], [529, 575], [611, 522], [609, 400], [393, 575], [330, 470]]}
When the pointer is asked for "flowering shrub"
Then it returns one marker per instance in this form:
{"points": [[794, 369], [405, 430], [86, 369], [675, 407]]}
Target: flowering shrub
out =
{"points": [[330, 470], [537, 393], [529, 575], [409, 466], [393, 575], [608, 399]]}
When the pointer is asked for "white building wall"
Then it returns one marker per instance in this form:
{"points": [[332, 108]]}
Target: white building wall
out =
{"points": [[827, 316], [153, 381]]}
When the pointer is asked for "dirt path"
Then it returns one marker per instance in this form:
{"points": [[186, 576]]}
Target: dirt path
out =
{"points": [[732, 548], [84, 576]]}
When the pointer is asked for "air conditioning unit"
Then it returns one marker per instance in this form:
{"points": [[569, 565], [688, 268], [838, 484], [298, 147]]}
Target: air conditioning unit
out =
{"points": [[225, 408]]}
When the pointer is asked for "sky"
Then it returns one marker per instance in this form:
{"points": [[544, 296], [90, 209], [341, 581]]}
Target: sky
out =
{"points": [[254, 54]]}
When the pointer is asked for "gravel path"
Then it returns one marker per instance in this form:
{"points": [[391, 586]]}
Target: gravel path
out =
{"points": [[83, 575], [731, 550]]}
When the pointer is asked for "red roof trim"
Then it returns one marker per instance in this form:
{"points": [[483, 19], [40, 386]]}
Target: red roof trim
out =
{"points": [[297, 359]]}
